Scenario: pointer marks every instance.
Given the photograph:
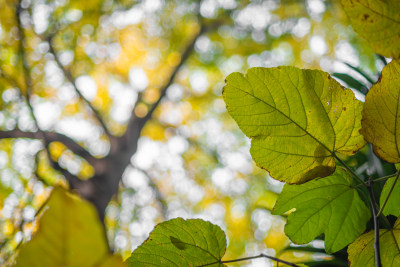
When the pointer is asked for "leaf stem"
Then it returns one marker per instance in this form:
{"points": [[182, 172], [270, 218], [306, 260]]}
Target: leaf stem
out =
{"points": [[351, 171], [376, 224], [255, 257], [390, 192]]}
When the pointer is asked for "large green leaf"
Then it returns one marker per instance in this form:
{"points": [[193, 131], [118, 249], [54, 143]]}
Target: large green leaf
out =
{"points": [[381, 114], [361, 251], [297, 120], [330, 205], [69, 234], [393, 203], [179, 242], [378, 22]]}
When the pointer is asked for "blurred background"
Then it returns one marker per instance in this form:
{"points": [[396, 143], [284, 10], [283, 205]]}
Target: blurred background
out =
{"points": [[84, 69]]}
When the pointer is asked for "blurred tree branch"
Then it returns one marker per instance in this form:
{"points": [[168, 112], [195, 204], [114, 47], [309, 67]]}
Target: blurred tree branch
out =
{"points": [[71, 79]]}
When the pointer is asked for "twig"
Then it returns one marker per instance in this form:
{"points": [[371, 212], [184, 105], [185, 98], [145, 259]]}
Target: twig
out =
{"points": [[390, 192], [69, 77], [376, 224], [255, 257], [351, 171]]}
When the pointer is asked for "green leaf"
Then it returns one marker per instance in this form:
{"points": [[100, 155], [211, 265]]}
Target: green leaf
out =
{"points": [[297, 119], [361, 251], [381, 114], [179, 242], [330, 205], [392, 206], [378, 22], [69, 234]]}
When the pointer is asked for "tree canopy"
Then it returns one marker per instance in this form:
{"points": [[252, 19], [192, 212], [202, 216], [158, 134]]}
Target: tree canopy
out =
{"points": [[114, 119]]}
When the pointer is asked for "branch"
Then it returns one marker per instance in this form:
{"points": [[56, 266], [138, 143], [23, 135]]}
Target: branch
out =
{"points": [[69, 77], [255, 257], [376, 224], [52, 137]]}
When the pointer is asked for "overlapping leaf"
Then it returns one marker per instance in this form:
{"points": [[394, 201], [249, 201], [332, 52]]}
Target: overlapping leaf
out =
{"points": [[392, 206], [378, 22], [381, 114], [361, 251], [297, 120], [69, 234], [179, 242], [330, 205]]}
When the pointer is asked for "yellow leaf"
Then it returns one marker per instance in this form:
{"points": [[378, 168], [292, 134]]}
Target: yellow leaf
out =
{"points": [[381, 114], [69, 234], [361, 251], [297, 120], [378, 22]]}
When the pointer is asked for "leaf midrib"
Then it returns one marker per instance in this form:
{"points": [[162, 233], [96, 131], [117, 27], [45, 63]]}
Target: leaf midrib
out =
{"points": [[319, 142]]}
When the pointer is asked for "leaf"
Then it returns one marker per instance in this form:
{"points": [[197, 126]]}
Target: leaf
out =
{"points": [[297, 119], [381, 114], [392, 206], [361, 252], [179, 242], [69, 234], [330, 205], [378, 22]]}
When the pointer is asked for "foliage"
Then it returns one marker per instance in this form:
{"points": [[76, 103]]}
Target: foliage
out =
{"points": [[298, 120], [85, 85], [179, 242], [360, 251], [65, 219], [331, 206]]}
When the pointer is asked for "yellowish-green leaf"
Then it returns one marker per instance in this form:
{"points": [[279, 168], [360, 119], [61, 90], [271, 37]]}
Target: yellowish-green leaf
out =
{"points": [[179, 242], [297, 119], [392, 206], [69, 234], [330, 205], [381, 114], [361, 251], [378, 22]]}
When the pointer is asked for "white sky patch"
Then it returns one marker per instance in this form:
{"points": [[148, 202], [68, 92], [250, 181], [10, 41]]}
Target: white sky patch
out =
{"points": [[78, 128], [138, 79], [203, 44], [316, 6], [40, 16], [147, 153], [318, 45], [87, 86], [175, 92], [73, 15], [177, 145], [134, 179], [54, 75], [254, 15], [345, 52], [221, 177], [151, 6], [302, 27], [47, 113], [198, 81], [124, 98], [121, 19]]}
